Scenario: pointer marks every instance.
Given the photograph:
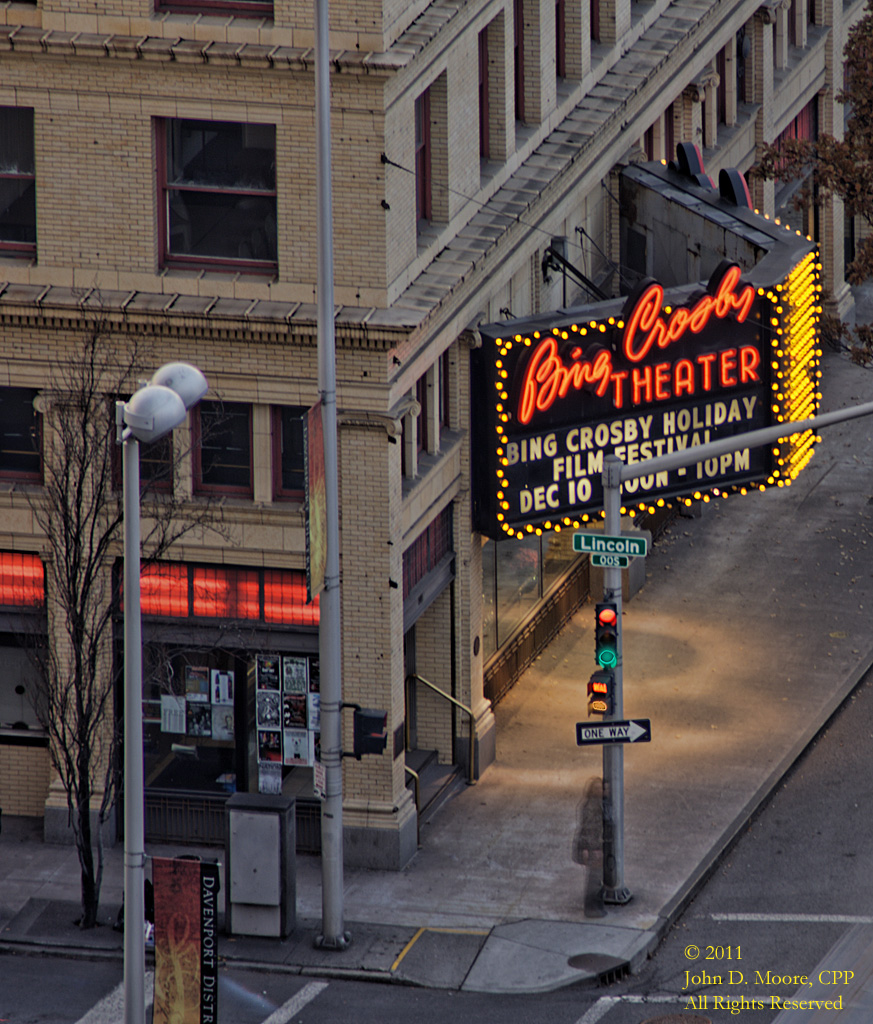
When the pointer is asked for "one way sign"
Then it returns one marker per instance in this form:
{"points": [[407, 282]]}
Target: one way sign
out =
{"points": [[634, 730]]}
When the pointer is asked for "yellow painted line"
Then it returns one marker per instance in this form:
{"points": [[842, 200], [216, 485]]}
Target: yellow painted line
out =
{"points": [[446, 931]]}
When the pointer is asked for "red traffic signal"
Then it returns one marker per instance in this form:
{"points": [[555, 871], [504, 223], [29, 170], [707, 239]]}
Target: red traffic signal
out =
{"points": [[600, 692]]}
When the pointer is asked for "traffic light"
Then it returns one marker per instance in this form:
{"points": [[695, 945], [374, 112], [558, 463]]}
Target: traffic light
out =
{"points": [[600, 688], [370, 731], [606, 634]]}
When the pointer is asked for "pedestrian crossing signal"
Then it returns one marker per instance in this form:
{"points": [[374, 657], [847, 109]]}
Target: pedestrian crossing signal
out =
{"points": [[606, 634], [600, 691]]}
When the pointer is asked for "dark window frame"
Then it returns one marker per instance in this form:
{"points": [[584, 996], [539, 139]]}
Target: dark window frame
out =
{"points": [[238, 8], [484, 98], [280, 489], [34, 476], [423, 159], [205, 487], [518, 57], [561, 38], [166, 189], [26, 181]]}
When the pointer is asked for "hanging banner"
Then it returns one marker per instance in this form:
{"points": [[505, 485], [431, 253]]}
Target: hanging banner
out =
{"points": [[315, 509], [186, 941]]}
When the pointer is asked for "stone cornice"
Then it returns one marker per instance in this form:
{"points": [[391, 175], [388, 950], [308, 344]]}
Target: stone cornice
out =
{"points": [[197, 316], [29, 40]]}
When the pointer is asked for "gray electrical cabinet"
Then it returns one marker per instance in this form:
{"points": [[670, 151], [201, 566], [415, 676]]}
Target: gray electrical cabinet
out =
{"points": [[261, 870]]}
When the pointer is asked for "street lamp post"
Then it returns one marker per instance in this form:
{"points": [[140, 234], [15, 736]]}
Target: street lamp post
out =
{"points": [[154, 411]]}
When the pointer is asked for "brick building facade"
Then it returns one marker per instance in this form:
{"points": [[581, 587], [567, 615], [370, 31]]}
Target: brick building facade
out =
{"points": [[157, 175]]}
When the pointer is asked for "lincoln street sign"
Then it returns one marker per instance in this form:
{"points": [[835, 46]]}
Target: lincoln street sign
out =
{"points": [[634, 730], [599, 543]]}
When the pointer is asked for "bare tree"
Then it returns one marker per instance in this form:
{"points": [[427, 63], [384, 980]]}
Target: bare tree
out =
{"points": [[79, 511], [842, 167]]}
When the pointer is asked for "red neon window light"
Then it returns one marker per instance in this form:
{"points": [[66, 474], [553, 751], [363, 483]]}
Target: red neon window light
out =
{"points": [[177, 590], [22, 580], [164, 590], [226, 593], [285, 598]]}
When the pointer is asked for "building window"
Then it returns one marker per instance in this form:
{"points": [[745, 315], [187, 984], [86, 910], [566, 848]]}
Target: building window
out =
{"points": [[240, 8], [427, 552], [443, 386], [20, 440], [594, 20], [155, 460], [423, 158], [484, 99], [289, 451], [518, 57], [218, 194], [223, 448], [561, 38], [177, 590], [22, 580], [17, 183]]}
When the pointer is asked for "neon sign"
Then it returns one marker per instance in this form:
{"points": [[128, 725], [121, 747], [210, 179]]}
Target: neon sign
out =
{"points": [[656, 373]]}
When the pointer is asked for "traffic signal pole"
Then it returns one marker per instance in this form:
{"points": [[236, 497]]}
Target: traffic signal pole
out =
{"points": [[614, 889], [615, 473]]}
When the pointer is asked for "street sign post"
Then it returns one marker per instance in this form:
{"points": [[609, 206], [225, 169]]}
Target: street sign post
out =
{"points": [[632, 730], [610, 561], [599, 543]]}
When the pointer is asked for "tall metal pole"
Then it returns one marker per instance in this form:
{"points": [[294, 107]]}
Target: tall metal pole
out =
{"points": [[614, 890], [134, 830], [615, 472], [333, 934]]}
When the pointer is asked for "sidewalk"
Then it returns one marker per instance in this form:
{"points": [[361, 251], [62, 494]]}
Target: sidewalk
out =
{"points": [[751, 629]]}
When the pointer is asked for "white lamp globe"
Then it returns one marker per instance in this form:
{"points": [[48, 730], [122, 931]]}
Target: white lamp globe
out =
{"points": [[154, 411], [183, 378]]}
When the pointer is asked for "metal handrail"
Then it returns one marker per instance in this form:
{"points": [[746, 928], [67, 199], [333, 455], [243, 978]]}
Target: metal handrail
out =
{"points": [[471, 780]]}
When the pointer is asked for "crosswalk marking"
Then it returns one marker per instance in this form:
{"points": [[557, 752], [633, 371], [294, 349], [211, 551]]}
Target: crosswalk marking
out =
{"points": [[296, 1003], [605, 1003], [110, 1009]]}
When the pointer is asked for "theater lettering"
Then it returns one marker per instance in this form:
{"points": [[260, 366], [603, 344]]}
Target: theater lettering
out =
{"points": [[657, 372], [548, 378]]}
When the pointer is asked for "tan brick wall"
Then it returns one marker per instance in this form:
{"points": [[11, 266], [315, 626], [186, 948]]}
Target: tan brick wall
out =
{"points": [[24, 780], [372, 615]]}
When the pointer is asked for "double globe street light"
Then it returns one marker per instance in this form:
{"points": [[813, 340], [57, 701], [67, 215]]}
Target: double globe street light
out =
{"points": [[153, 412]]}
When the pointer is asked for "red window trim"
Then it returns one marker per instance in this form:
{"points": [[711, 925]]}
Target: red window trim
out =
{"points": [[19, 249], [202, 488], [177, 260]]}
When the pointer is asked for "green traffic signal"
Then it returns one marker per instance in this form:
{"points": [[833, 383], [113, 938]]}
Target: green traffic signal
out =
{"points": [[606, 634]]}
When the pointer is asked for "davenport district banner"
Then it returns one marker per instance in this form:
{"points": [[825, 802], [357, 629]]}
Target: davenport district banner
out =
{"points": [[186, 951]]}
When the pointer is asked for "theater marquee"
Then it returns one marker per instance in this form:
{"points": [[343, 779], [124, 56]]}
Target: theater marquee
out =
{"points": [[662, 372]]}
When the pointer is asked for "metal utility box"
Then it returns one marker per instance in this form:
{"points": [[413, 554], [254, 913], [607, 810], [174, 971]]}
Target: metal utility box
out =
{"points": [[261, 865]]}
